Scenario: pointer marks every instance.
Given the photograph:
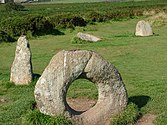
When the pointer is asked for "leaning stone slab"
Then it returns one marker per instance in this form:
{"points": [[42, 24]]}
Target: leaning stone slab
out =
{"points": [[143, 29], [21, 70], [67, 66], [87, 37]]}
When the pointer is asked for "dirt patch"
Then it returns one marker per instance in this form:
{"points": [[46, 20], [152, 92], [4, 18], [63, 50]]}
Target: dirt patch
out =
{"points": [[81, 104], [146, 119]]}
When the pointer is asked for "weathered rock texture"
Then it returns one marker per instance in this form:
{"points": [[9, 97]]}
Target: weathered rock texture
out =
{"points": [[63, 69], [87, 37], [21, 70], [143, 29]]}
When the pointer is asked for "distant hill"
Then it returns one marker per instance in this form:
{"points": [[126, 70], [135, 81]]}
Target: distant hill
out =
{"points": [[70, 1], [73, 1]]}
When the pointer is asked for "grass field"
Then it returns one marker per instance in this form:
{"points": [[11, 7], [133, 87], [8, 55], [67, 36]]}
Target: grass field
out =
{"points": [[89, 1], [140, 60], [79, 1], [73, 1]]}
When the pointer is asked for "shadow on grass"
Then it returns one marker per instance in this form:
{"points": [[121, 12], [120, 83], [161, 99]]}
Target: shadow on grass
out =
{"points": [[56, 32], [36, 76], [47, 32], [140, 101]]}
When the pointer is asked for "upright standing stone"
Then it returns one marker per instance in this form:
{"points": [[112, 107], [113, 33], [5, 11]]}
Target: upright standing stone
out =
{"points": [[21, 70], [143, 29]]}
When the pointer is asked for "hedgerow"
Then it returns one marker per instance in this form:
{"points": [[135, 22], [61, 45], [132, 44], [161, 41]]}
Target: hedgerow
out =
{"points": [[36, 24], [67, 21], [12, 6], [4, 37], [47, 18]]}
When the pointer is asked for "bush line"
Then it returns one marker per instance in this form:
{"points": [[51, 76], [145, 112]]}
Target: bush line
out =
{"points": [[41, 24]]}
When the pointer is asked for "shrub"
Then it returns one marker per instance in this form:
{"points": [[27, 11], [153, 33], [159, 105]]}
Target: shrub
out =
{"points": [[36, 24], [68, 21], [78, 21], [76, 40], [96, 17], [4, 37], [34, 117], [9, 6], [129, 115]]}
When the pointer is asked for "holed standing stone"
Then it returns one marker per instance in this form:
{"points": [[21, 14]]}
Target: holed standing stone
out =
{"points": [[67, 66]]}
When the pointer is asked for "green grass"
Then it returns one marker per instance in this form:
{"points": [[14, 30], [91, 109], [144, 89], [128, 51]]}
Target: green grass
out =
{"points": [[140, 60], [76, 40], [36, 118], [84, 89], [129, 116], [17, 100]]}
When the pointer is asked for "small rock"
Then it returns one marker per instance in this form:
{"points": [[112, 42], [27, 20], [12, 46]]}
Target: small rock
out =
{"points": [[88, 37], [2, 100]]}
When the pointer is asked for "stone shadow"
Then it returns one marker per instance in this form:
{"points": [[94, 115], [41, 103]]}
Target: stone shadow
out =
{"points": [[36, 76], [140, 101]]}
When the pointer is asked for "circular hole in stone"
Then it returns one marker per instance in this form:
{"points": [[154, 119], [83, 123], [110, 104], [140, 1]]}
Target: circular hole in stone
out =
{"points": [[82, 95]]}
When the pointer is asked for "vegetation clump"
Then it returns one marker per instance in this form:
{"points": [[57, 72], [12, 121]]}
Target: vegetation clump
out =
{"points": [[4, 37], [36, 24], [76, 40], [10, 6], [35, 117], [129, 115], [67, 21]]}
